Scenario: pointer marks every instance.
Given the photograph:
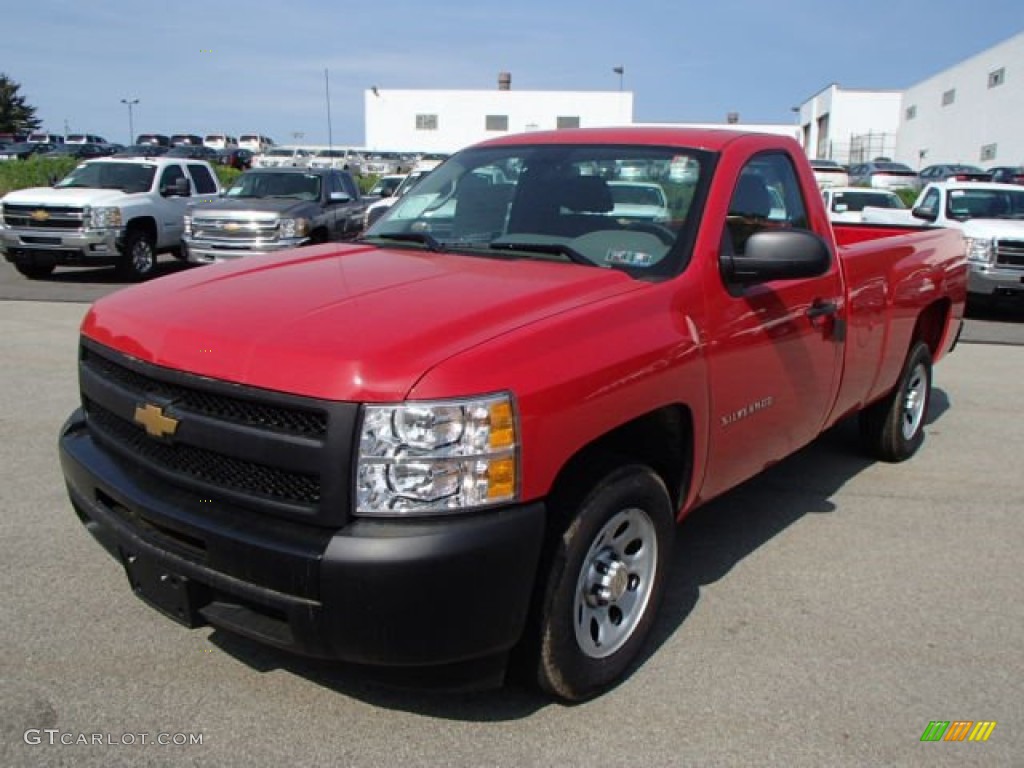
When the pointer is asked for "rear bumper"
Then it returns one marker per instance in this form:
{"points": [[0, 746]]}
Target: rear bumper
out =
{"points": [[391, 593], [55, 247]]}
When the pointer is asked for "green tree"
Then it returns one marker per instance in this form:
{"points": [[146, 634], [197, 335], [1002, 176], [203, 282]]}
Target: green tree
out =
{"points": [[15, 115]]}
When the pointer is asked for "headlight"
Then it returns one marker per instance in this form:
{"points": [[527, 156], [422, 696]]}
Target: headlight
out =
{"points": [[188, 225], [294, 228], [103, 218], [980, 250], [431, 458]]}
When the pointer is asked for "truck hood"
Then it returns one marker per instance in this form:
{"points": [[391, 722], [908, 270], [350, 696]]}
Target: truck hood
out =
{"points": [[998, 228], [255, 205], [76, 197], [352, 322]]}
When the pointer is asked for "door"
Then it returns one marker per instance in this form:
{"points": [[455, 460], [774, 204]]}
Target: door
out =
{"points": [[170, 207], [775, 348]]}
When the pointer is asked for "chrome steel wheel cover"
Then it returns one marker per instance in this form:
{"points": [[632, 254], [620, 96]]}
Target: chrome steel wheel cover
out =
{"points": [[915, 400], [614, 584], [142, 257]]}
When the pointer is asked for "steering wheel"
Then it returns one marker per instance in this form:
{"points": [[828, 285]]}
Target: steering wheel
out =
{"points": [[660, 231]]}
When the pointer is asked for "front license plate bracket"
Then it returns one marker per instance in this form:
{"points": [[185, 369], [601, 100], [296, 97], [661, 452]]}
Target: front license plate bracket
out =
{"points": [[175, 596]]}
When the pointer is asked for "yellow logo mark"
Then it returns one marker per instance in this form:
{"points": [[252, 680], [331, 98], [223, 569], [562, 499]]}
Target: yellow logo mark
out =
{"points": [[154, 421], [40, 215], [232, 226]]}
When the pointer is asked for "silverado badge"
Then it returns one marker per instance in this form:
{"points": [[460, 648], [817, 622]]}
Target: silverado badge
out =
{"points": [[153, 419], [40, 215]]}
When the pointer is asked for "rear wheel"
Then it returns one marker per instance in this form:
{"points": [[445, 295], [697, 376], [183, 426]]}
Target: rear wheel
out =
{"points": [[605, 583], [893, 428], [139, 255], [34, 271]]}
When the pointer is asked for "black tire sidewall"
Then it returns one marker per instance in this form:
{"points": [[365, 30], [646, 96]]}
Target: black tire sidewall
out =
{"points": [[882, 424], [563, 669], [128, 262]]}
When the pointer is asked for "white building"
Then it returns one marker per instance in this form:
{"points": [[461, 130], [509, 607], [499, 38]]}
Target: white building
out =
{"points": [[850, 126], [448, 120], [971, 113]]}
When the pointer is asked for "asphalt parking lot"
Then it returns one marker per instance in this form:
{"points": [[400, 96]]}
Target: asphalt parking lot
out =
{"points": [[821, 614]]}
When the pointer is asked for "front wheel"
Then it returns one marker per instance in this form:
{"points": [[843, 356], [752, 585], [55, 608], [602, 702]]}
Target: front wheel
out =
{"points": [[139, 255], [605, 583], [893, 428]]}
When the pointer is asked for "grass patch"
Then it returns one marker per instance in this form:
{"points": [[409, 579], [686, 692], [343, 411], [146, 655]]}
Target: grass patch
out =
{"points": [[34, 172]]}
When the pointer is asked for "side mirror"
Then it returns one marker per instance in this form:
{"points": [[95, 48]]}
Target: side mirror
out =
{"points": [[924, 213], [777, 254], [339, 197]]}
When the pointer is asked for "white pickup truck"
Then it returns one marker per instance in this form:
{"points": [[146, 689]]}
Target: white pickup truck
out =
{"points": [[991, 217], [121, 211]]}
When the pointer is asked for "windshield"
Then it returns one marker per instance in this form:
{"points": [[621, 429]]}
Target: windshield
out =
{"points": [[964, 204], [301, 186], [554, 201], [281, 153], [128, 177]]}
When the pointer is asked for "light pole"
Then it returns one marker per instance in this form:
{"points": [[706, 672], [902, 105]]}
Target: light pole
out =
{"points": [[131, 123]]}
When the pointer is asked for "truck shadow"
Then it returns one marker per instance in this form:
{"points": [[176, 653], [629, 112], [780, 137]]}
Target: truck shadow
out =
{"points": [[709, 544], [110, 275]]}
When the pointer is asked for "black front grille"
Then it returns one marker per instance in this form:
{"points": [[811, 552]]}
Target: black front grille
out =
{"points": [[282, 454], [294, 421], [205, 466], [1010, 253]]}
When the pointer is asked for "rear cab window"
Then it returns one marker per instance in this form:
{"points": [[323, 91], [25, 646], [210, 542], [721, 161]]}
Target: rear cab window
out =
{"points": [[202, 179]]}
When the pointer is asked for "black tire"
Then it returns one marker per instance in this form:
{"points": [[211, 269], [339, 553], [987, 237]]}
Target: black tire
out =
{"points": [[604, 584], [35, 271], [893, 428], [139, 255]]}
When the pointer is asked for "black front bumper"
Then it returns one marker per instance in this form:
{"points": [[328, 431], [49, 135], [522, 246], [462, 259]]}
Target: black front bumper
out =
{"points": [[393, 593]]}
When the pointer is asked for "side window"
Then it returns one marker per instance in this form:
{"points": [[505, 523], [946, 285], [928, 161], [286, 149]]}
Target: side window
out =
{"points": [[767, 196], [348, 186], [334, 184], [170, 176], [930, 204], [201, 178]]}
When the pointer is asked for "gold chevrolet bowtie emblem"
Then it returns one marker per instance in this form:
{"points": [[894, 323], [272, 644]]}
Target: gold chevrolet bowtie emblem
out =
{"points": [[155, 422], [232, 226], [40, 215]]}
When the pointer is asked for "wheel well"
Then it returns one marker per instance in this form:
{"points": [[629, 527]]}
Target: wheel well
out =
{"points": [[931, 324], [661, 439], [144, 223]]}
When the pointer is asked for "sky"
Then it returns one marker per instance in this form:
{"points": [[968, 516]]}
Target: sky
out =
{"points": [[259, 66]]}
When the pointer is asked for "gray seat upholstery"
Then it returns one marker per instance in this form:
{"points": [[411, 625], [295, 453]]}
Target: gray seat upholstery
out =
{"points": [[480, 208], [567, 206], [751, 198]]}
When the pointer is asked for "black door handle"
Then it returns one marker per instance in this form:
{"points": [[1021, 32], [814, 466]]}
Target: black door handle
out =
{"points": [[822, 308]]}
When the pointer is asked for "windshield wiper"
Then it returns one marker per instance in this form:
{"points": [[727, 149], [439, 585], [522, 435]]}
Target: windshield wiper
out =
{"points": [[558, 249], [424, 238]]}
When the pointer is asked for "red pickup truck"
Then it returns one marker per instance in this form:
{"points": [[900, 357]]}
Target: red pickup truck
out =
{"points": [[469, 434]]}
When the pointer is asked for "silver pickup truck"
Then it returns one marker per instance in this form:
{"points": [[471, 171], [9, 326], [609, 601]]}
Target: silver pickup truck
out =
{"points": [[272, 209], [112, 211]]}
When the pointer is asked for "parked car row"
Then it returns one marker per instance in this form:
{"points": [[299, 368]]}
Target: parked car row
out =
{"points": [[885, 174], [123, 211]]}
